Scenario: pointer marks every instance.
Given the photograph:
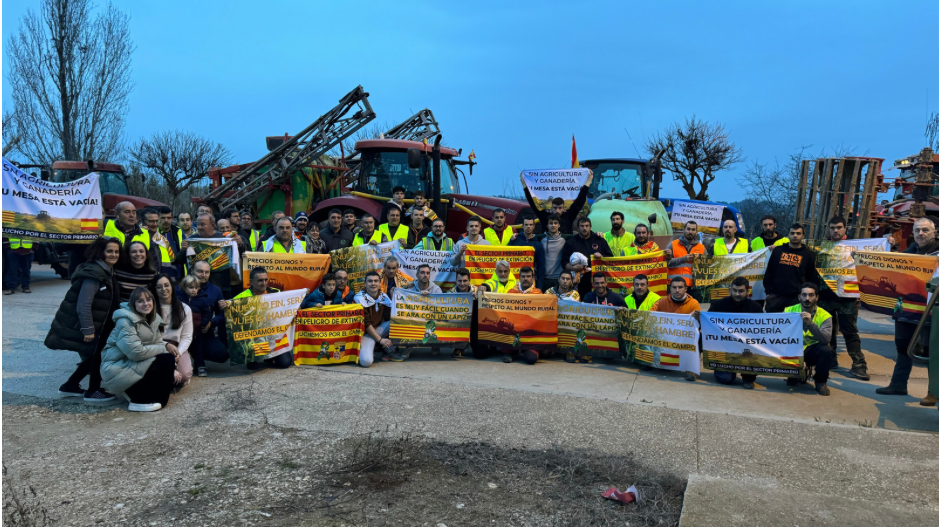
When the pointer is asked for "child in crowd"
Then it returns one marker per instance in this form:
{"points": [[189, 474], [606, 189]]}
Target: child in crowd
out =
{"points": [[325, 295]]}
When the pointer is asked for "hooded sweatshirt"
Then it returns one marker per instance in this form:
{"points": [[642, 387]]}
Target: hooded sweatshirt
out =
{"points": [[553, 263]]}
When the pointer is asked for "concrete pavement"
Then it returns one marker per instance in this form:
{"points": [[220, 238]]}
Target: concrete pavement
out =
{"points": [[744, 450]]}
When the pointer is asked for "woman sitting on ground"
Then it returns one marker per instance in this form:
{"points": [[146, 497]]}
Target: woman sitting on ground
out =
{"points": [[178, 325], [136, 363], [135, 269], [83, 322]]}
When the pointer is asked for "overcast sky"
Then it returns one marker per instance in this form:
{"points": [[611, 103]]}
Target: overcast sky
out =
{"points": [[514, 80]]}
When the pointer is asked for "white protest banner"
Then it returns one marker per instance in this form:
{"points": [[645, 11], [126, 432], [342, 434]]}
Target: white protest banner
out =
{"points": [[37, 210], [754, 343], [836, 266], [547, 184], [661, 340], [708, 217], [443, 264]]}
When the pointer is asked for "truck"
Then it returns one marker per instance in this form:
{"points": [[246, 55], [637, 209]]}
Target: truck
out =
{"points": [[113, 183], [298, 174]]}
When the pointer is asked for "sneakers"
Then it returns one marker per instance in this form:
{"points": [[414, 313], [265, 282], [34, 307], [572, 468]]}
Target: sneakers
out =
{"points": [[793, 381], [891, 390], [99, 396], [507, 358], [7, 291], [822, 389], [747, 385], [860, 372], [393, 357], [585, 359], [71, 390], [143, 407], [27, 290], [201, 372], [570, 357], [689, 376], [456, 354]]}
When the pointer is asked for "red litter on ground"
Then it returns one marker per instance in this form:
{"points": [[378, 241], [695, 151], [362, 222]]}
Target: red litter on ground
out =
{"points": [[628, 496]]}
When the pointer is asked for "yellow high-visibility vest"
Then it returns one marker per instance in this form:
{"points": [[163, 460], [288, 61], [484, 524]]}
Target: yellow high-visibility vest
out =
{"points": [[274, 246], [490, 235], [758, 243], [111, 230], [377, 237], [16, 242], [401, 233], [720, 248], [819, 317]]}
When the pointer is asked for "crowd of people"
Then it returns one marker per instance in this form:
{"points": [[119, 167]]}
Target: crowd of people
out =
{"points": [[144, 322]]}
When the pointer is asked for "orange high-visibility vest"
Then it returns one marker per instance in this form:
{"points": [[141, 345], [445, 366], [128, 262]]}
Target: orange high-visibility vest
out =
{"points": [[684, 270]]}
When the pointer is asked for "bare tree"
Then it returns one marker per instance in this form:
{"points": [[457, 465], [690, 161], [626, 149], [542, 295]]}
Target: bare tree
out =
{"points": [[694, 152], [178, 159], [70, 78], [11, 136]]}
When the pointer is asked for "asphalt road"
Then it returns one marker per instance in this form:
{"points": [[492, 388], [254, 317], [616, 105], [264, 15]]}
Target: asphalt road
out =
{"points": [[853, 458]]}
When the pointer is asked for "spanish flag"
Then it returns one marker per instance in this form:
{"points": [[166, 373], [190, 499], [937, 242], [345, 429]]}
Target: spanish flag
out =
{"points": [[282, 343], [89, 224], [9, 216], [669, 359], [790, 361], [574, 153]]}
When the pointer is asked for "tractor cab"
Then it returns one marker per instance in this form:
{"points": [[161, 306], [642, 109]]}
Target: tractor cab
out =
{"points": [[111, 179], [631, 178], [383, 165]]}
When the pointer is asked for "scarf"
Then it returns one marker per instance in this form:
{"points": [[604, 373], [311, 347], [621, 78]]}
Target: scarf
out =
{"points": [[365, 299]]}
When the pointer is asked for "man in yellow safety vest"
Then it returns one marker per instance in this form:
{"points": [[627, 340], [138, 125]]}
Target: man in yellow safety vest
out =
{"points": [[499, 233], [125, 227], [729, 243], [18, 256], [394, 230], [817, 330], [247, 231], [284, 240]]}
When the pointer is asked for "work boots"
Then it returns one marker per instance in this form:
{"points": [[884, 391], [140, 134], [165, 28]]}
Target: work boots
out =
{"points": [[930, 400], [860, 372], [891, 390], [822, 389]]}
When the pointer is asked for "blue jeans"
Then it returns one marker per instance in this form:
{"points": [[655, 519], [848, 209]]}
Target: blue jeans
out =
{"points": [[18, 268]]}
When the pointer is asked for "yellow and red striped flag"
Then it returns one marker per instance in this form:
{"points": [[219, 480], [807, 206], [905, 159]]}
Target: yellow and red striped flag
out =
{"points": [[261, 348], [472, 157], [574, 153], [790, 361], [89, 224], [9, 216], [282, 343], [669, 359], [620, 270]]}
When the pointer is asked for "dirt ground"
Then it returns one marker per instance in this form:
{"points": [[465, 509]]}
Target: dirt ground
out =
{"points": [[70, 465]]}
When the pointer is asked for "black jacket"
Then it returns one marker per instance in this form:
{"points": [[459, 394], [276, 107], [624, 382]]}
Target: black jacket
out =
{"points": [[334, 241], [587, 247], [66, 330], [728, 305], [788, 269], [567, 218]]}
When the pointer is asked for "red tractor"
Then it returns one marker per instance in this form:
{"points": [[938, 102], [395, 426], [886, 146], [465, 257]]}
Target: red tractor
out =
{"points": [[297, 174]]}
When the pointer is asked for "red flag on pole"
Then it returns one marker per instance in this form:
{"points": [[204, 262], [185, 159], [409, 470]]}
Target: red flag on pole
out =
{"points": [[574, 153]]}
